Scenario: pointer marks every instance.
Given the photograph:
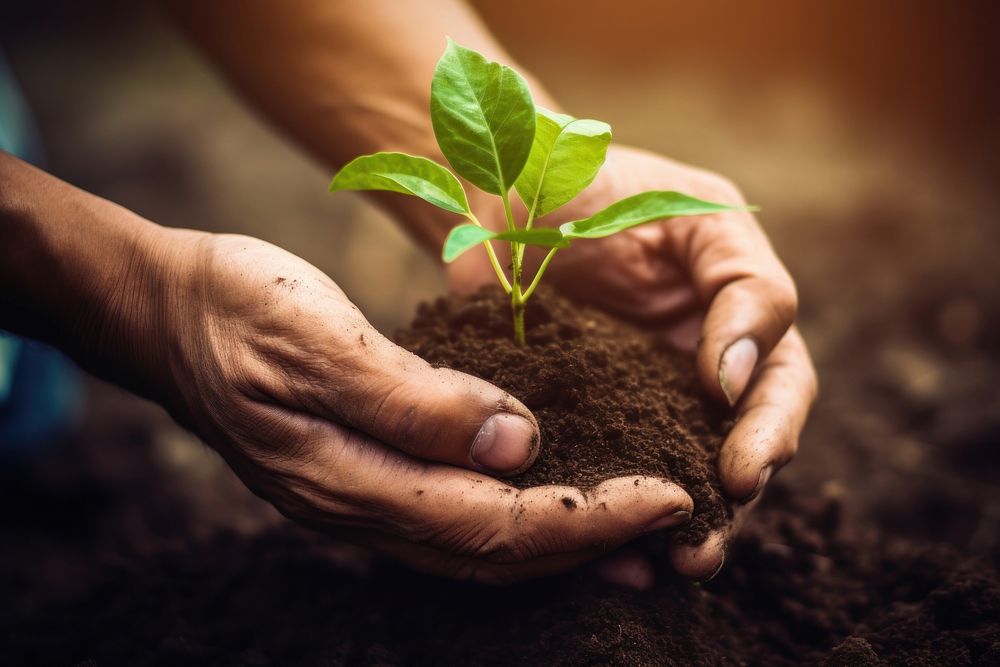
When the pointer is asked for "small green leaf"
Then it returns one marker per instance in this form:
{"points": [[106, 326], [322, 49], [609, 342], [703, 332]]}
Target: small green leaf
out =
{"points": [[565, 157], [483, 118], [465, 237], [408, 174], [640, 209]]}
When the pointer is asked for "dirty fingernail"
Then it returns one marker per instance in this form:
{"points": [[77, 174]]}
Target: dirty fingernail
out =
{"points": [[670, 521], [737, 365], [504, 443], [765, 475]]}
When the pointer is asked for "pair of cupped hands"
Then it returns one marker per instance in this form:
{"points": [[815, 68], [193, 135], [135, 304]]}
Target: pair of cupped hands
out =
{"points": [[345, 432]]}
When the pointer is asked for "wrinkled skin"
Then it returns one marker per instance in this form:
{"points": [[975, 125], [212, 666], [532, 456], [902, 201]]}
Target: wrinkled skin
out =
{"points": [[346, 432], [703, 283]]}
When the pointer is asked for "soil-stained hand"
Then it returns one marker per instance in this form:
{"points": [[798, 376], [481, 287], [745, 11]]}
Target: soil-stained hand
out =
{"points": [[346, 432], [712, 285]]}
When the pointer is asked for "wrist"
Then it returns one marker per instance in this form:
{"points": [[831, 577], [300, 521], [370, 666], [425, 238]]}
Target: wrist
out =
{"points": [[135, 325], [88, 276]]}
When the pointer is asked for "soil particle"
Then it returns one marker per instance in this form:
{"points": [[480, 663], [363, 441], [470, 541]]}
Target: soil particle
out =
{"points": [[569, 503], [853, 652], [611, 400]]}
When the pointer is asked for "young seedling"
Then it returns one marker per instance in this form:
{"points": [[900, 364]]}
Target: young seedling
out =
{"points": [[494, 136]]}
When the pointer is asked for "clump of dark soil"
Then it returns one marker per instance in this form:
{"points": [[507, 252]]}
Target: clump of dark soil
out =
{"points": [[611, 400]]}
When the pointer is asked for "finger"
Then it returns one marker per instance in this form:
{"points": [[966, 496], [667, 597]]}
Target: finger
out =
{"points": [[375, 386], [766, 434], [628, 568], [704, 561], [751, 298], [683, 334], [354, 480], [504, 525]]}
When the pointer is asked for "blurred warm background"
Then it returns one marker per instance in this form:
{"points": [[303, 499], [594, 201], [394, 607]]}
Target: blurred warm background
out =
{"points": [[867, 131]]}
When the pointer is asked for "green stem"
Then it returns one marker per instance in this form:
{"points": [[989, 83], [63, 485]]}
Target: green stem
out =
{"points": [[538, 274], [507, 212], [517, 307], [516, 300], [493, 259], [527, 225]]}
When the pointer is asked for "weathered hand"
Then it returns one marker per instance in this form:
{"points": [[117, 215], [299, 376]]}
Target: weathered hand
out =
{"points": [[346, 432], [711, 285]]}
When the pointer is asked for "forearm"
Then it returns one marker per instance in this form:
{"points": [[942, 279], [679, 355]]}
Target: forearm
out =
{"points": [[82, 273], [344, 78]]}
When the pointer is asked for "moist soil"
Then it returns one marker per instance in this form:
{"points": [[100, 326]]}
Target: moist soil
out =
{"points": [[129, 545], [801, 588], [611, 401]]}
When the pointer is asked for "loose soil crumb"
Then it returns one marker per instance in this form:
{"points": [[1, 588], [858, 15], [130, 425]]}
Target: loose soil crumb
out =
{"points": [[611, 401]]}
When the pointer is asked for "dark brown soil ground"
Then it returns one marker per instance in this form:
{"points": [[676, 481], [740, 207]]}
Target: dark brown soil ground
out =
{"points": [[610, 400], [124, 548], [801, 589]]}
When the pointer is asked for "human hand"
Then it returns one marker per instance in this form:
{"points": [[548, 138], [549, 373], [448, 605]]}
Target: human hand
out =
{"points": [[711, 285], [344, 431]]}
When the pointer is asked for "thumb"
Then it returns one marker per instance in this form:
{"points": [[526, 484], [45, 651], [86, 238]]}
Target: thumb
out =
{"points": [[744, 322], [431, 413], [751, 300]]}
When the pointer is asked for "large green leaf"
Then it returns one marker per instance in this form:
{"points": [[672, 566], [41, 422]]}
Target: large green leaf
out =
{"points": [[565, 157], [468, 236], [640, 209], [408, 174], [483, 118]]}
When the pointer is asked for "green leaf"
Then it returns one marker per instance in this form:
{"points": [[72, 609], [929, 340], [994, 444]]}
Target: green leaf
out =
{"points": [[408, 174], [565, 157], [483, 118], [640, 209], [463, 238], [630, 212], [468, 236]]}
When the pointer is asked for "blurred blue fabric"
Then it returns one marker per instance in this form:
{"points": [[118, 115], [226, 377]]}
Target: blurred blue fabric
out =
{"points": [[40, 389]]}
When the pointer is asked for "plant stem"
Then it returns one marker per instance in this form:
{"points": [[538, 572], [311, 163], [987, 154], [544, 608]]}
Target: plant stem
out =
{"points": [[538, 274], [507, 212], [517, 307], [516, 300], [496, 267], [501, 276], [527, 225]]}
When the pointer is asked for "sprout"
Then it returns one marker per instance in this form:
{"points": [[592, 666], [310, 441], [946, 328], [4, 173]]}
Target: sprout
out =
{"points": [[494, 136]]}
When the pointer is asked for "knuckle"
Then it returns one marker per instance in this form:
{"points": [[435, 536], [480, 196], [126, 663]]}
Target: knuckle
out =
{"points": [[410, 432], [398, 416], [510, 543], [504, 546], [783, 298], [717, 187]]}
